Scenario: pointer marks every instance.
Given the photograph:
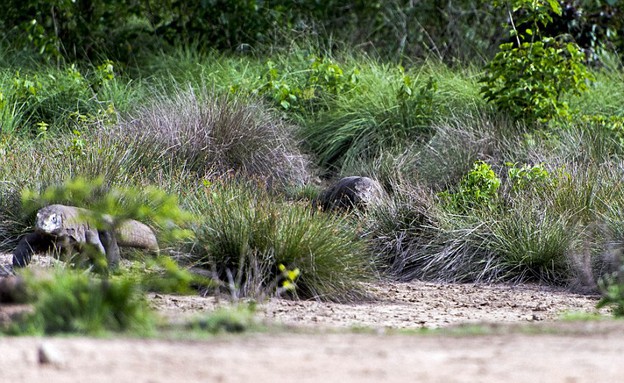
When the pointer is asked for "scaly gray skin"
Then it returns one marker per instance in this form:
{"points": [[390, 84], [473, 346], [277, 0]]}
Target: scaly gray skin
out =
{"points": [[351, 192], [69, 228]]}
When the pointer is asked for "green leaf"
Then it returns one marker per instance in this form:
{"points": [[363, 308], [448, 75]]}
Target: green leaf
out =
{"points": [[556, 7]]}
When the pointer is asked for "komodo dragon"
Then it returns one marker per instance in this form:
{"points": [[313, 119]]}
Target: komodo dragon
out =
{"points": [[62, 227]]}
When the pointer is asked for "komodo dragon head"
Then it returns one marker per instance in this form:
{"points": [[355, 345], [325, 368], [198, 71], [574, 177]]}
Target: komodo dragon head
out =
{"points": [[49, 222], [61, 220]]}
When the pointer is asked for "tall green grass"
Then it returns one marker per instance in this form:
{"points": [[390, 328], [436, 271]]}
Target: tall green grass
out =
{"points": [[390, 108], [602, 97], [244, 234]]}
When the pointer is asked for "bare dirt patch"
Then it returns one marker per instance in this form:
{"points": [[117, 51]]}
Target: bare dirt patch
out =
{"points": [[522, 339], [408, 306]]}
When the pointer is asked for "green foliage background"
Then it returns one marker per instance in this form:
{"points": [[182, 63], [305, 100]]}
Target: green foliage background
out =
{"points": [[124, 29], [501, 152]]}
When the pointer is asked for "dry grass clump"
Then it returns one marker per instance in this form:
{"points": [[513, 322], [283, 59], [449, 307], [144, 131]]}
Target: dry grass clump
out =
{"points": [[207, 133]]}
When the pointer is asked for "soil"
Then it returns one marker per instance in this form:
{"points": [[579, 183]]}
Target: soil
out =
{"points": [[479, 333]]}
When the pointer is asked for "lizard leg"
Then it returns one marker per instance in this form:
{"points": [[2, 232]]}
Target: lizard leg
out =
{"points": [[111, 248], [95, 250], [29, 244]]}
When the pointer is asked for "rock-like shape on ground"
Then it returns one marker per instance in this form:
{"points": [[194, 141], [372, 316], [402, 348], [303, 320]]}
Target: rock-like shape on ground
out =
{"points": [[50, 355], [350, 192]]}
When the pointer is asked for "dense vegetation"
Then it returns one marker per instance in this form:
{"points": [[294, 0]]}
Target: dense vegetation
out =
{"points": [[500, 144]]}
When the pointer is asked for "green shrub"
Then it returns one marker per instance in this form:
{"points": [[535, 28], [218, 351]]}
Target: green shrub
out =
{"points": [[76, 302], [323, 78], [525, 177], [527, 79], [245, 235], [478, 189]]}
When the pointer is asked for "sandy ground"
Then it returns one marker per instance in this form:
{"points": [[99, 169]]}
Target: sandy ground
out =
{"points": [[412, 305], [521, 338]]}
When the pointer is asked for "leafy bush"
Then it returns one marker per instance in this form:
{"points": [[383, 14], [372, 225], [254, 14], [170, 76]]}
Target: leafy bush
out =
{"points": [[478, 189], [323, 78], [527, 176], [528, 78], [245, 235]]}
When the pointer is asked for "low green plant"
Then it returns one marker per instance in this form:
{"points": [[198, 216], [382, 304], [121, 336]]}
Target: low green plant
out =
{"points": [[322, 78], [416, 104], [326, 75], [527, 176], [67, 301], [478, 189], [164, 275], [235, 319], [284, 93], [612, 295], [46, 101], [103, 74]]}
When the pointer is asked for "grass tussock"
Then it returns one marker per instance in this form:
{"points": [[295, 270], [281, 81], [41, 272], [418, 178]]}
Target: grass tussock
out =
{"points": [[559, 230], [245, 234], [205, 133]]}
